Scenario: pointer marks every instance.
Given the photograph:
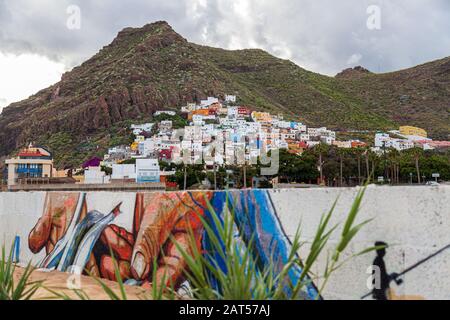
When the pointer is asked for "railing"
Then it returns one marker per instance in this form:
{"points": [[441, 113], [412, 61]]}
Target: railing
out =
{"points": [[126, 187], [32, 181], [29, 171]]}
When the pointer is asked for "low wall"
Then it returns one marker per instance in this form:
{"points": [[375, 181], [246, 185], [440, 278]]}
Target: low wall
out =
{"points": [[111, 187], [413, 221]]}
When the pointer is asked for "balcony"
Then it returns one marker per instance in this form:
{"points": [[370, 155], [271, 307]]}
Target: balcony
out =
{"points": [[28, 172]]}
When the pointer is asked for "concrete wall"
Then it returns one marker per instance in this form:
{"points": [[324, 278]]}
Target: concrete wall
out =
{"points": [[414, 221]]}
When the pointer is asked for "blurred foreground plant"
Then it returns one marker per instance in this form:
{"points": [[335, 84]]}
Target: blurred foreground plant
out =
{"points": [[10, 288]]}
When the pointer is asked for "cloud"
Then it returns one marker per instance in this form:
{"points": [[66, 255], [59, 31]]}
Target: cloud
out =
{"points": [[25, 74], [3, 103], [320, 35], [354, 59]]}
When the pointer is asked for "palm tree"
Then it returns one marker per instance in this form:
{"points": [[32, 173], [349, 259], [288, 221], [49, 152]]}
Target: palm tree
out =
{"points": [[185, 177], [393, 156], [321, 149], [367, 155], [341, 153], [358, 152], [417, 153]]}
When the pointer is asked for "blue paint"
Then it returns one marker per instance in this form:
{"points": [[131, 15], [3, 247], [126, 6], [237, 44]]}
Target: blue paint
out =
{"points": [[257, 225], [16, 252], [213, 256]]}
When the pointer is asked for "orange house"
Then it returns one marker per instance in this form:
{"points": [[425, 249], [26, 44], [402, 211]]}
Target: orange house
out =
{"points": [[201, 112], [358, 144]]}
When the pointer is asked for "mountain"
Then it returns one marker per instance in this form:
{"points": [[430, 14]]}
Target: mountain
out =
{"points": [[353, 73], [153, 67]]}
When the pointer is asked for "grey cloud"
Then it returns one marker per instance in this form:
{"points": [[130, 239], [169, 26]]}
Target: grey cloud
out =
{"points": [[3, 103], [321, 35]]}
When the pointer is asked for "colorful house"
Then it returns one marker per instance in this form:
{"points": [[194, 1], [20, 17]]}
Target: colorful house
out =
{"points": [[93, 162], [31, 163], [262, 117]]}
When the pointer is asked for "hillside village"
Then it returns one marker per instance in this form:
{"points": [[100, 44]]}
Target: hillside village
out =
{"points": [[231, 131], [218, 133], [214, 133], [234, 127]]}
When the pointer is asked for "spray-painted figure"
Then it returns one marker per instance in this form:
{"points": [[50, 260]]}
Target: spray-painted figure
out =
{"points": [[381, 287]]}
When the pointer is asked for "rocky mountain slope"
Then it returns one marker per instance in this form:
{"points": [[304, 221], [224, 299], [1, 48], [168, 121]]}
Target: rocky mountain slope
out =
{"points": [[153, 67]]}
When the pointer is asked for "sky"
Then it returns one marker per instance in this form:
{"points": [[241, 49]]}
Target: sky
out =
{"points": [[40, 40]]}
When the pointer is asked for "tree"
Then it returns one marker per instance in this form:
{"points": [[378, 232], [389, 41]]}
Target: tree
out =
{"points": [[394, 165], [107, 170], [367, 152], [295, 168], [177, 121], [433, 161], [341, 153], [194, 175], [417, 153], [358, 152], [129, 161], [320, 150], [219, 176]]}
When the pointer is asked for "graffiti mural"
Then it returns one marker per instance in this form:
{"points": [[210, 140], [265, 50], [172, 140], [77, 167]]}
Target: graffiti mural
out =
{"points": [[75, 236]]}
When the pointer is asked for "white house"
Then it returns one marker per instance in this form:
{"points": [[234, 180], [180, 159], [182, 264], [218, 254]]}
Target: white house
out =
{"points": [[147, 170], [381, 139], [166, 112], [230, 99], [312, 144], [94, 175], [209, 101], [401, 145], [283, 124], [139, 128], [147, 147], [165, 125], [123, 171], [327, 140]]}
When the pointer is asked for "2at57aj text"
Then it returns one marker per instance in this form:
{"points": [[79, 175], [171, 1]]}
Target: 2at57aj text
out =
{"points": [[240, 309]]}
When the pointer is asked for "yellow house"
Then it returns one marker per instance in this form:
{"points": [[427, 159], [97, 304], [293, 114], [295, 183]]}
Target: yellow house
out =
{"points": [[413, 131], [261, 116], [135, 146]]}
